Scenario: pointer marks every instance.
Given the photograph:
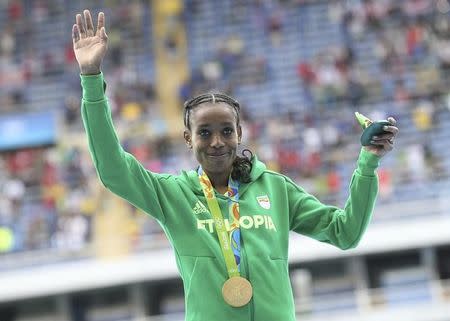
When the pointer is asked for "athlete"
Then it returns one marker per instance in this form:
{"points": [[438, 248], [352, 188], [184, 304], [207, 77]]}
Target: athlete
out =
{"points": [[228, 220]]}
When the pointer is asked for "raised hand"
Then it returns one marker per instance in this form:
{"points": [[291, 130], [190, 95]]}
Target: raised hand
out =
{"points": [[384, 143], [89, 46]]}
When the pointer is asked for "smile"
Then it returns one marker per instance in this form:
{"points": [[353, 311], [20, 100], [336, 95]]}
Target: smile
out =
{"points": [[217, 155]]}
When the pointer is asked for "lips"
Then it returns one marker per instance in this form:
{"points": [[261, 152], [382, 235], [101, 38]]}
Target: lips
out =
{"points": [[216, 155]]}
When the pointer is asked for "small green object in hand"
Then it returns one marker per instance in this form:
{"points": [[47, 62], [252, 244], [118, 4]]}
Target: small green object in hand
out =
{"points": [[370, 128]]}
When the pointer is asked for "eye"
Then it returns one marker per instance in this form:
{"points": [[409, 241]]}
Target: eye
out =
{"points": [[204, 132], [228, 131]]}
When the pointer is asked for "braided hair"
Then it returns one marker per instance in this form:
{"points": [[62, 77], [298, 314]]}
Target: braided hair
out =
{"points": [[242, 165]]}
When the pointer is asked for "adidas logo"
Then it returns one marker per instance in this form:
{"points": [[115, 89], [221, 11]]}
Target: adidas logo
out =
{"points": [[199, 208]]}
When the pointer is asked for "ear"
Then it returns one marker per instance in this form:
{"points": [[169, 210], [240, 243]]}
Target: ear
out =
{"points": [[239, 133], [188, 138]]}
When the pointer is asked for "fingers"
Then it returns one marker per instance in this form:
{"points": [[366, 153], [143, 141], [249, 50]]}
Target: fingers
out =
{"points": [[80, 26], [89, 24], [100, 22], [85, 26], [75, 33], [392, 129], [392, 120], [103, 34], [382, 137], [386, 140], [386, 144]]}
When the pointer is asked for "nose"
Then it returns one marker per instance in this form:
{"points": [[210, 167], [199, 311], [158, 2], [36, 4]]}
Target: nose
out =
{"points": [[216, 141]]}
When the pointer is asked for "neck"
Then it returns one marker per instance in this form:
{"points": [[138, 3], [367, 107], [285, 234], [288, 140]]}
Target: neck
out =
{"points": [[219, 181]]}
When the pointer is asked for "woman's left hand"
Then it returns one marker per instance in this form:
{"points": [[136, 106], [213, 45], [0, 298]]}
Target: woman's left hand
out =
{"points": [[383, 144]]}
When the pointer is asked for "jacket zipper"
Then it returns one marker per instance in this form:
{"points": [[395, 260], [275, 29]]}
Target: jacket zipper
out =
{"points": [[243, 255]]}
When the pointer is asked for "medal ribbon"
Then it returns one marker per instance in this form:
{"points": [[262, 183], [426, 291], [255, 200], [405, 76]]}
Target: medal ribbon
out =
{"points": [[230, 243]]}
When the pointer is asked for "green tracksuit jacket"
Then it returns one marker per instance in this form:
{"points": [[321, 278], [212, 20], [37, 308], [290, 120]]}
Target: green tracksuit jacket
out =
{"points": [[270, 206]]}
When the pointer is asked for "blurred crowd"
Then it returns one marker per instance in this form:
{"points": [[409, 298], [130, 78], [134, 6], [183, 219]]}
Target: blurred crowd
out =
{"points": [[388, 59], [50, 195]]}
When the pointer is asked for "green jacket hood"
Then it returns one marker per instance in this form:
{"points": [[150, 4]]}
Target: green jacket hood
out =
{"points": [[191, 177]]}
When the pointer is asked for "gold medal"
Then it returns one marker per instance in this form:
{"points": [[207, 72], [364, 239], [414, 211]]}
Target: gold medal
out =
{"points": [[237, 291]]}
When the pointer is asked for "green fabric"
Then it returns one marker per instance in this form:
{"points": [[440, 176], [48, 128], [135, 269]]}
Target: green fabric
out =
{"points": [[178, 203]]}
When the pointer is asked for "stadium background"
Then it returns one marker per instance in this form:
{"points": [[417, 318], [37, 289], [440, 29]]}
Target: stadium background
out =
{"points": [[71, 251]]}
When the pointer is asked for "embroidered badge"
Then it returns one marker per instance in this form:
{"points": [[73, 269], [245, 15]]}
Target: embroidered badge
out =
{"points": [[263, 201]]}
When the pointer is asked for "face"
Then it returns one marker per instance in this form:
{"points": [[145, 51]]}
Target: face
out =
{"points": [[214, 137]]}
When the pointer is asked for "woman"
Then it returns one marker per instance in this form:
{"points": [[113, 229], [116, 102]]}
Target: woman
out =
{"points": [[229, 220]]}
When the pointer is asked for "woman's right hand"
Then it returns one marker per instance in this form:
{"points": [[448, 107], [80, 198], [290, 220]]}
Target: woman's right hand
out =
{"points": [[89, 46]]}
